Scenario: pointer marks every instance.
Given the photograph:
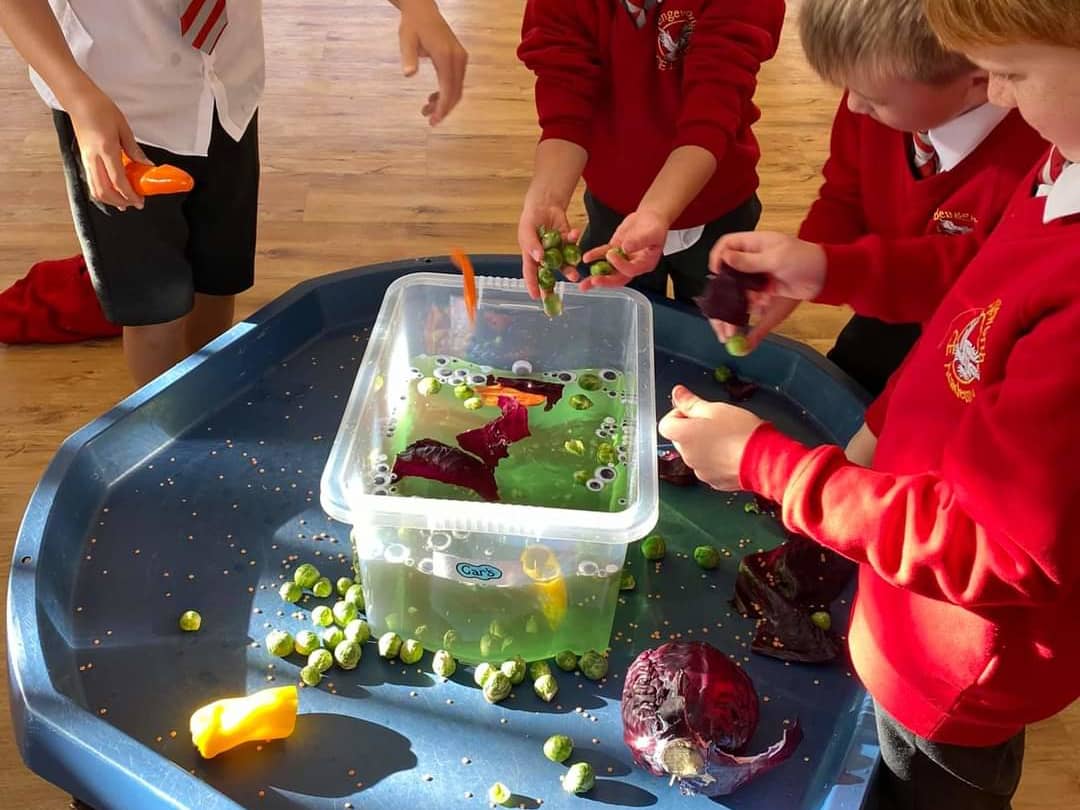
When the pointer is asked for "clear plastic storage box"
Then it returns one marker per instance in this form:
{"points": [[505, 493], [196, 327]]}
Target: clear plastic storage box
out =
{"points": [[490, 579]]}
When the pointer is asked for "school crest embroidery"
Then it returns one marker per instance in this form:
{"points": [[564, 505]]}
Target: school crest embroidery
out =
{"points": [[966, 351], [955, 223], [674, 29]]}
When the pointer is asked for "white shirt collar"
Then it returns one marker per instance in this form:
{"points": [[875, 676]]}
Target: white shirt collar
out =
{"points": [[1063, 198], [958, 138]]}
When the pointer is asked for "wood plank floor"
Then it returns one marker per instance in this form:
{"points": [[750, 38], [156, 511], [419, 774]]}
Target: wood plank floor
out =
{"points": [[352, 175]]}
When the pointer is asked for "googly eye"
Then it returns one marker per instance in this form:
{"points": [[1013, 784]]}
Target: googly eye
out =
{"points": [[477, 379], [594, 484], [566, 376], [613, 394], [440, 541], [380, 491], [383, 467], [426, 566], [441, 361], [606, 473], [609, 420], [443, 374], [379, 480], [393, 490], [622, 501], [396, 553], [587, 568], [603, 434], [521, 367], [609, 374], [416, 373]]}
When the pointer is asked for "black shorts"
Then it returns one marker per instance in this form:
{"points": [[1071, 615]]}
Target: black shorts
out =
{"points": [[147, 265]]}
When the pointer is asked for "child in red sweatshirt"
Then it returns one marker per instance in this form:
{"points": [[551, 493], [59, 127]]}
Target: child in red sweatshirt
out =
{"points": [[917, 153], [965, 527], [653, 103]]}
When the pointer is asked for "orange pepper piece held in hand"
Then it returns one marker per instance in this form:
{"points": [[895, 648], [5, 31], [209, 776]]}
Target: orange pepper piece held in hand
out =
{"points": [[462, 263], [153, 180]]}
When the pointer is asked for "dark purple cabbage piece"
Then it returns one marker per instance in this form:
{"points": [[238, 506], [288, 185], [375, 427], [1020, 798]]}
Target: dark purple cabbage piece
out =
{"points": [[688, 713], [783, 588], [739, 389], [673, 469], [492, 441], [553, 391], [436, 461], [725, 299]]}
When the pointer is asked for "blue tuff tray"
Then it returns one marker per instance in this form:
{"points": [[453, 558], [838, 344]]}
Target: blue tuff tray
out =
{"points": [[200, 491]]}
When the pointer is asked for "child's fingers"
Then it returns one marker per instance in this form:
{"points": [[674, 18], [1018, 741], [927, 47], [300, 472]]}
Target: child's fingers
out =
{"points": [[610, 282], [724, 331], [775, 314], [410, 51], [529, 272], [571, 274], [429, 108], [131, 146], [622, 265], [748, 262], [596, 254], [450, 64], [104, 188]]}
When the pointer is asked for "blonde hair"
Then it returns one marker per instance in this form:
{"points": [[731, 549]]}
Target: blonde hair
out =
{"points": [[842, 38], [964, 23]]}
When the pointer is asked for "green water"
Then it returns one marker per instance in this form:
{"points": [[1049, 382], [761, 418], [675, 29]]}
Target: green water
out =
{"points": [[540, 470], [490, 597], [569, 606]]}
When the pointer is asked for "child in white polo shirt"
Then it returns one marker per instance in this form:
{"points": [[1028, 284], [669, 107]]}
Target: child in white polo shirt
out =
{"points": [[179, 82]]}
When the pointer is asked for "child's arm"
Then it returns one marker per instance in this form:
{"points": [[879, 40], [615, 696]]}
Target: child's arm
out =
{"points": [[995, 525], [100, 127], [896, 280], [726, 51], [558, 45], [424, 32]]}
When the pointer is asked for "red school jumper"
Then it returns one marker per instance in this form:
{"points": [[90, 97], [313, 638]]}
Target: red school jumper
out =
{"points": [[967, 529], [630, 95]]}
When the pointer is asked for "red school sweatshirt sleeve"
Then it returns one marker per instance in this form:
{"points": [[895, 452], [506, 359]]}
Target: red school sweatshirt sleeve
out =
{"points": [[997, 525], [898, 280], [559, 43], [837, 214], [728, 47]]}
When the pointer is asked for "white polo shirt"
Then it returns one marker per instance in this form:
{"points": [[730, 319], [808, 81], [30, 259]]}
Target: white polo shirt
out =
{"points": [[167, 89]]}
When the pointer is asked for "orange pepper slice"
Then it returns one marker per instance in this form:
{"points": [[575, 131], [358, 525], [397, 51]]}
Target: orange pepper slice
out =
{"points": [[462, 263], [490, 395], [150, 181]]}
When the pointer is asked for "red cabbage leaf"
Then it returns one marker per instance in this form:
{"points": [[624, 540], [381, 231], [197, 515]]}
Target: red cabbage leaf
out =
{"points": [[436, 461], [492, 441]]}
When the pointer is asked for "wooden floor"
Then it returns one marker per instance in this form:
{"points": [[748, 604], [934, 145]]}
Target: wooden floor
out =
{"points": [[352, 175]]}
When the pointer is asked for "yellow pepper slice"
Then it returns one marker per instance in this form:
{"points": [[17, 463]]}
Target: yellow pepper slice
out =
{"points": [[263, 716], [540, 564]]}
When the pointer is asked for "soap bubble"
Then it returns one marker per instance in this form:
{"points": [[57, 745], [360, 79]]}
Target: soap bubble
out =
{"points": [[426, 566], [521, 367]]}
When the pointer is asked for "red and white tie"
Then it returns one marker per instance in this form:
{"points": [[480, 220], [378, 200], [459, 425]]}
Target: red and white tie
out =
{"points": [[1055, 165], [203, 22], [927, 163]]}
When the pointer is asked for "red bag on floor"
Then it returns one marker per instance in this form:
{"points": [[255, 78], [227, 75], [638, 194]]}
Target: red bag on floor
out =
{"points": [[55, 303]]}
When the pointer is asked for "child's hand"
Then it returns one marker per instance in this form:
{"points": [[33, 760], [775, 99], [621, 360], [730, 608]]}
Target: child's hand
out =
{"points": [[797, 269], [711, 437], [533, 217], [102, 132], [424, 33], [641, 238]]}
